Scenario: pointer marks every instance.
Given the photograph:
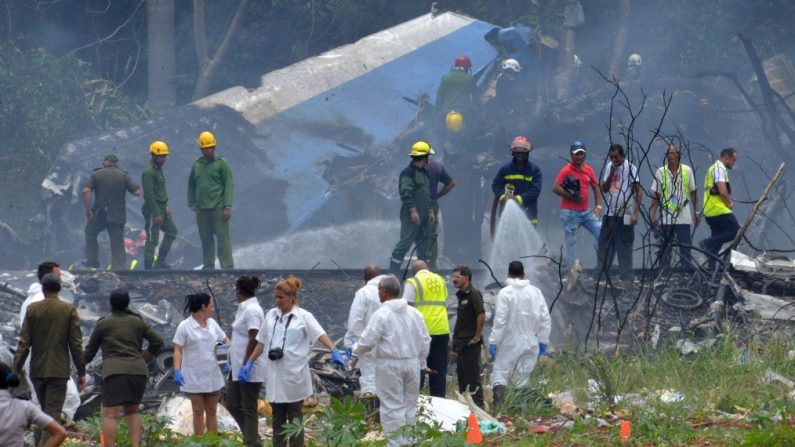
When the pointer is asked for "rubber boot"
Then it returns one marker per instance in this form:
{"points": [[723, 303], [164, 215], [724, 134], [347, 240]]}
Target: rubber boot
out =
{"points": [[394, 267], [497, 396], [161, 264]]}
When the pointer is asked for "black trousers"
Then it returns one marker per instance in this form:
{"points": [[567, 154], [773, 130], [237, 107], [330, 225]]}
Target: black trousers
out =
{"points": [[282, 413], [241, 401], [437, 361], [468, 369]]}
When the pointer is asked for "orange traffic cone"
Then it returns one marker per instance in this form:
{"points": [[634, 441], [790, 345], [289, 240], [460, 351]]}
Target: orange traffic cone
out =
{"points": [[473, 430], [101, 439], [625, 431]]}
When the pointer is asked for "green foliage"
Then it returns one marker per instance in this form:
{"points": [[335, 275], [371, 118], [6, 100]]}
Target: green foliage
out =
{"points": [[156, 433], [778, 435], [341, 424]]}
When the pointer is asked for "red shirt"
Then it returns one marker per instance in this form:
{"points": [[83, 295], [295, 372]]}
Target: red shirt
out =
{"points": [[586, 177]]}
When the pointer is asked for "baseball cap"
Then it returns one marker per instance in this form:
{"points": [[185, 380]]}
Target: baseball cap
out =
{"points": [[577, 146]]}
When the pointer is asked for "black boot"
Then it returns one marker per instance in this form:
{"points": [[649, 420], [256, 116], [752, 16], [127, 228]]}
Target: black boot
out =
{"points": [[497, 396], [161, 264], [148, 264]]}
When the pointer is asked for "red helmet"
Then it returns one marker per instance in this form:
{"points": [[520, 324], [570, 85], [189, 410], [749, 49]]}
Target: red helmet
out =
{"points": [[463, 62]]}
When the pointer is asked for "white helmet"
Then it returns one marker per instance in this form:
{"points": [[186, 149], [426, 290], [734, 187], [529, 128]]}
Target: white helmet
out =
{"points": [[634, 59], [577, 61], [511, 64]]}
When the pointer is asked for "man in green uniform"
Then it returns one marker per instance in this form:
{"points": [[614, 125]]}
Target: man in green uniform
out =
{"points": [[157, 214], [416, 212], [109, 211], [51, 334], [210, 189]]}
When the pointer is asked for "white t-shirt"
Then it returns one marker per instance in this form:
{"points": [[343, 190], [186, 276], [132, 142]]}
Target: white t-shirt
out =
{"points": [[619, 198], [249, 316], [679, 194], [288, 379], [199, 365], [16, 416]]}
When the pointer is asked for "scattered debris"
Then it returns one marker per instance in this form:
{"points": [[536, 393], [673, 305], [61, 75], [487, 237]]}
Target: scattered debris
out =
{"points": [[178, 410]]}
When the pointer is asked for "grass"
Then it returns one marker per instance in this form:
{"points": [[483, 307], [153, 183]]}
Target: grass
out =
{"points": [[725, 400]]}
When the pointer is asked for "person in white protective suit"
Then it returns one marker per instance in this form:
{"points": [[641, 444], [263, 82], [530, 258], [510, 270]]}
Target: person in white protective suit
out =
{"points": [[520, 332], [365, 303], [35, 294], [399, 338]]}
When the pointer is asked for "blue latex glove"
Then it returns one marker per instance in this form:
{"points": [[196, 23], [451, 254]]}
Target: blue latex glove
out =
{"points": [[493, 351], [542, 349], [348, 352], [336, 357], [244, 374], [178, 377]]}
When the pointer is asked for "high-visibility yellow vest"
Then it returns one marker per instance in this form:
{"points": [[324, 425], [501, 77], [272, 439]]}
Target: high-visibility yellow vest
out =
{"points": [[713, 204], [674, 206], [430, 298]]}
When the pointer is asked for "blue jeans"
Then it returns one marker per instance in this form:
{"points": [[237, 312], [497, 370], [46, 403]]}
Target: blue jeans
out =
{"points": [[681, 234], [616, 240], [723, 228], [571, 220]]}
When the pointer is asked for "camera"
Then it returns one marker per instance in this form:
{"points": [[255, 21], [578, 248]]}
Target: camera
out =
{"points": [[571, 185], [275, 354]]}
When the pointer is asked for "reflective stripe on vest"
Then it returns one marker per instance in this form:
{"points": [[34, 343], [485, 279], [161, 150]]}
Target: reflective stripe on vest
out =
{"points": [[430, 298], [713, 204], [674, 208]]}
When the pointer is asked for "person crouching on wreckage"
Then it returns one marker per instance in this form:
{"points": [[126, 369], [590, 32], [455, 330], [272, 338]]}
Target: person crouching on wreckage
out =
{"points": [[241, 397], [120, 335], [195, 365], [287, 335]]}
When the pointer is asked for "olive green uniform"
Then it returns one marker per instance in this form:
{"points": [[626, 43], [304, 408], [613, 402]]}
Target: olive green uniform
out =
{"points": [[120, 335], [110, 185], [50, 333], [210, 189], [415, 192], [156, 202]]}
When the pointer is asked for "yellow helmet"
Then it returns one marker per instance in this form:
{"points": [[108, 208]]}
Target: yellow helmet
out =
{"points": [[158, 148], [454, 121], [206, 140], [420, 149]]}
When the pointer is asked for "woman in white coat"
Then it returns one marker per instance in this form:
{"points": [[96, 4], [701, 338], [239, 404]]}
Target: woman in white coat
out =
{"points": [[196, 369], [286, 338]]}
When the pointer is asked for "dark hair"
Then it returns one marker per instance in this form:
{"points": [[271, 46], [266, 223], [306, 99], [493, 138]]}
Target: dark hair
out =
{"points": [[194, 303], [119, 300], [515, 268], [50, 283], [7, 377], [248, 285], [463, 270], [617, 147], [45, 267], [728, 152]]}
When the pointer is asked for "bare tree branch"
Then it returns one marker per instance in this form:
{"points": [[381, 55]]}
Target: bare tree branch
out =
{"points": [[208, 71]]}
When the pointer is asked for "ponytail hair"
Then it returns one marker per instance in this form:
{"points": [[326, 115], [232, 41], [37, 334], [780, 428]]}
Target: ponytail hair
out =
{"points": [[195, 302]]}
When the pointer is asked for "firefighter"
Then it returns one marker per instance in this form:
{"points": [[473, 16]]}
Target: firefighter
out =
{"points": [[210, 189], [416, 212], [155, 210], [519, 180]]}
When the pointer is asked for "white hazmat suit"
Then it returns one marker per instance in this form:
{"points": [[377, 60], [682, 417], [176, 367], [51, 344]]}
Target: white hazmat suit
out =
{"points": [[400, 341], [365, 303], [521, 322]]}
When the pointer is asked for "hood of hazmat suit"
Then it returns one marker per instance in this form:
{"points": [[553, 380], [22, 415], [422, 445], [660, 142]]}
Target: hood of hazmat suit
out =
{"points": [[521, 322]]}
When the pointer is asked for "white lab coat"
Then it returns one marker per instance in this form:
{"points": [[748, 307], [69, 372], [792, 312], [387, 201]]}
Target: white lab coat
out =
{"points": [[288, 379], [521, 322], [199, 365], [365, 303], [249, 316], [399, 338], [72, 401]]}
